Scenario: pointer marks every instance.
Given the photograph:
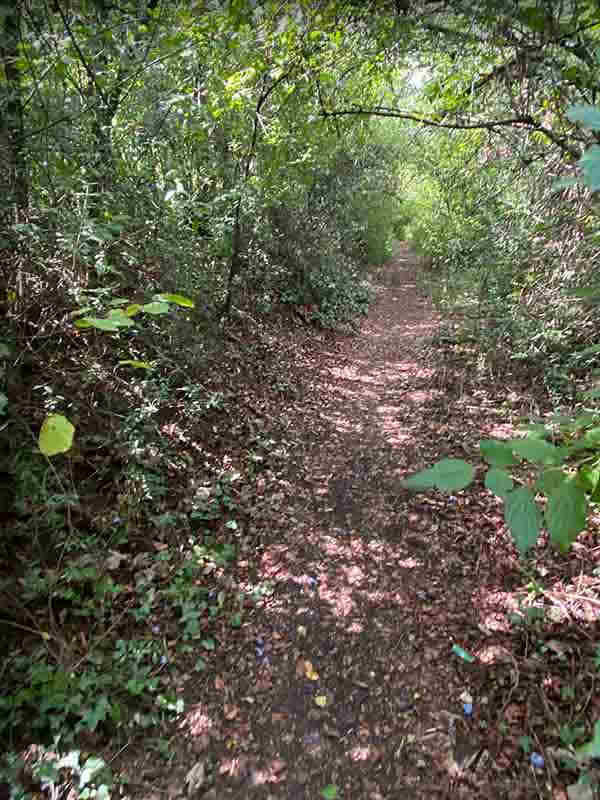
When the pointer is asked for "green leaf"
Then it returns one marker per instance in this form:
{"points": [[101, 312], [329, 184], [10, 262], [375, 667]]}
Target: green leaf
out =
{"points": [[3, 403], [120, 317], [586, 291], [592, 748], [566, 514], [497, 454], [156, 308], [549, 480], [56, 435], [178, 299], [421, 480], [452, 474], [537, 450], [588, 478], [97, 714], [585, 420], [129, 362], [449, 475], [112, 323], [535, 430], [590, 165], [208, 644], [330, 792], [79, 311], [587, 115], [499, 482], [523, 518], [592, 437]]}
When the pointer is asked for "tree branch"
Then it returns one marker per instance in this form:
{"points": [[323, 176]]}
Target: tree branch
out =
{"points": [[525, 120]]}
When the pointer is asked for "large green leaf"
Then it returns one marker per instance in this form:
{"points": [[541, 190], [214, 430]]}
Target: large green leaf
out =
{"points": [[497, 454], [111, 323], [120, 317], [421, 480], [537, 450], [523, 518], [178, 299], [452, 474], [156, 308], [130, 362], [449, 475], [499, 482], [56, 435], [590, 164], [566, 514], [588, 477], [587, 115], [549, 480]]}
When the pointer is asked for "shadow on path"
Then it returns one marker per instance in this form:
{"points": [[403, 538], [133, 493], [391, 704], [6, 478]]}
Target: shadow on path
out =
{"points": [[353, 684]]}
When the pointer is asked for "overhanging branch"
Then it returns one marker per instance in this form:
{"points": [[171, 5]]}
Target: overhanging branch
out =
{"points": [[523, 120]]}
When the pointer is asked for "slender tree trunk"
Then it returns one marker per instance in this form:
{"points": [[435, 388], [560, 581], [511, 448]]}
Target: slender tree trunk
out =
{"points": [[11, 121]]}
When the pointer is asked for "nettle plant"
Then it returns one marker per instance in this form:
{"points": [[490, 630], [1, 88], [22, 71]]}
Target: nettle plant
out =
{"points": [[568, 476], [564, 452]]}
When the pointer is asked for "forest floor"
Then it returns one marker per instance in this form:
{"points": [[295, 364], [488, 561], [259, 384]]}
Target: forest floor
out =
{"points": [[343, 681], [287, 621]]}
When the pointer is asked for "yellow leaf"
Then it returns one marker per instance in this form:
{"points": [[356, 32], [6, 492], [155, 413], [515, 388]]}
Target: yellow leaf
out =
{"points": [[321, 700], [309, 672], [56, 435]]}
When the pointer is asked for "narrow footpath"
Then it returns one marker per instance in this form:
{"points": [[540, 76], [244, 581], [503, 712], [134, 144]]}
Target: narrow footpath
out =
{"points": [[351, 688]]}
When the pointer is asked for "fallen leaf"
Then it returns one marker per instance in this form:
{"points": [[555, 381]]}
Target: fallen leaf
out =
{"points": [[230, 711], [310, 672], [219, 683], [195, 777]]}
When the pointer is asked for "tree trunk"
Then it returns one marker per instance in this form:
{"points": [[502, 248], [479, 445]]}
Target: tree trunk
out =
{"points": [[16, 180]]}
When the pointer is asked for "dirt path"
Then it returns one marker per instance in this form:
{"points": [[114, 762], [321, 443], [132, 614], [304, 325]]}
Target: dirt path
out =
{"points": [[350, 682]]}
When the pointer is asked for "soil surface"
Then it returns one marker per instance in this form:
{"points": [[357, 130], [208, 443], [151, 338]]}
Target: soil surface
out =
{"points": [[345, 684]]}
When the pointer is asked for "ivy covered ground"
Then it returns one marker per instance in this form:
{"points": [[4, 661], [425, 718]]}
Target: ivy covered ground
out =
{"points": [[273, 615]]}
